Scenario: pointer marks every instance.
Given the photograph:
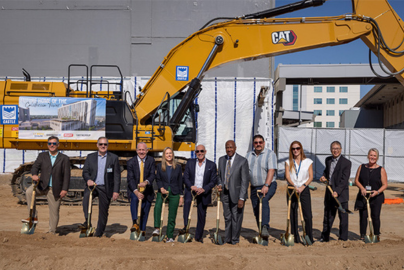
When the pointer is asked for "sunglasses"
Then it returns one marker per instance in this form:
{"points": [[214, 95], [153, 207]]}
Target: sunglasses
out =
{"points": [[52, 143], [297, 148], [103, 144], [258, 142], [199, 151]]}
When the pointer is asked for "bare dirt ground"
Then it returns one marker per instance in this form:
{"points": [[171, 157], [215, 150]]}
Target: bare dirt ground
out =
{"points": [[115, 251]]}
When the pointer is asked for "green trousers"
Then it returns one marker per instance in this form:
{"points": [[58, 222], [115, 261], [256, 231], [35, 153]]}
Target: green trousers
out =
{"points": [[173, 202]]}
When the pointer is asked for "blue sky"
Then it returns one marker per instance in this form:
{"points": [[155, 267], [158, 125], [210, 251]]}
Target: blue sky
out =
{"points": [[354, 52]]}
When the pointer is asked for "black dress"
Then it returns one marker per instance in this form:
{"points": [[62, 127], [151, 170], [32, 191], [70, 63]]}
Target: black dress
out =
{"points": [[373, 178]]}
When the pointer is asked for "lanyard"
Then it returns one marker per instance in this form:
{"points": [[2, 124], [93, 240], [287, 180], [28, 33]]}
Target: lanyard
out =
{"points": [[297, 170]]}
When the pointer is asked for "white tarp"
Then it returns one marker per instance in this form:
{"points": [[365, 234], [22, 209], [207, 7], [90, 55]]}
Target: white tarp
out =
{"points": [[228, 111], [355, 146]]}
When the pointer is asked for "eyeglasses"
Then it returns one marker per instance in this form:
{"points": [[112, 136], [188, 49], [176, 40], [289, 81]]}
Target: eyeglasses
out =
{"points": [[335, 149], [103, 144], [258, 142], [199, 151], [297, 148], [52, 143]]}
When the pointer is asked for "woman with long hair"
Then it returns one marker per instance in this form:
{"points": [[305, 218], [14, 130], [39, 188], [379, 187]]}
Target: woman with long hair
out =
{"points": [[299, 174], [169, 182], [373, 178]]}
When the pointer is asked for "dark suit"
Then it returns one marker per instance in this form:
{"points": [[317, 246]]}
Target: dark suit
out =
{"points": [[134, 180], [112, 182], [60, 172], [340, 183], [237, 189], [204, 199]]}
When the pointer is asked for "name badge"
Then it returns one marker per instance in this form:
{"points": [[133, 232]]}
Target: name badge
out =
{"points": [[368, 188], [109, 169]]}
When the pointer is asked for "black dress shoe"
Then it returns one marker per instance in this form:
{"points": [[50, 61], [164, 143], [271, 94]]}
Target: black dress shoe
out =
{"points": [[199, 240], [183, 230], [323, 240], [84, 225]]}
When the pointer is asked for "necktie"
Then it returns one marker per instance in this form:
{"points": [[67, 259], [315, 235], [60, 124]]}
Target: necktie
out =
{"points": [[141, 175], [227, 173]]}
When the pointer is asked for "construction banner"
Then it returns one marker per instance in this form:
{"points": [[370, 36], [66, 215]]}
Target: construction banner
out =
{"points": [[66, 118]]}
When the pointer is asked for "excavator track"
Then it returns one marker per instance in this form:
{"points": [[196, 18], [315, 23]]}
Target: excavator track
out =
{"points": [[21, 180]]}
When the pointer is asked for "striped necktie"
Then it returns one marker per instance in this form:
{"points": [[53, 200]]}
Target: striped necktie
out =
{"points": [[228, 173]]}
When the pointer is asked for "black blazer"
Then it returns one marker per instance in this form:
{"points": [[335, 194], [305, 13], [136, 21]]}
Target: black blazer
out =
{"points": [[112, 173], [175, 180], [209, 180], [148, 174], [60, 172], [339, 178]]}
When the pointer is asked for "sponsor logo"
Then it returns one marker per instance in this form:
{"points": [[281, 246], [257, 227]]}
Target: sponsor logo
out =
{"points": [[14, 129], [38, 135], [9, 114], [182, 73], [68, 135], [83, 135], [286, 37]]}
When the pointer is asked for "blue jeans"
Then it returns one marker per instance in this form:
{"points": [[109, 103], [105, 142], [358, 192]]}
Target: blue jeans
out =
{"points": [[265, 203], [134, 202]]}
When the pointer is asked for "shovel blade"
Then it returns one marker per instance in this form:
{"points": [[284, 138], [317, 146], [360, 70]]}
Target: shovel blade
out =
{"points": [[217, 239], [306, 240], [135, 235], [260, 241], [26, 229], [371, 239], [155, 238], [288, 240], [184, 238]]}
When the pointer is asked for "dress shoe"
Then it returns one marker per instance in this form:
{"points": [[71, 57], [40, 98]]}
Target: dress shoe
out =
{"points": [[183, 230], [323, 240], [84, 225], [134, 228]]}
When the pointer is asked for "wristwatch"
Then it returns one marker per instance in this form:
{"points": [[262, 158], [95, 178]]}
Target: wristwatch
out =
{"points": [[266, 185], [305, 185]]}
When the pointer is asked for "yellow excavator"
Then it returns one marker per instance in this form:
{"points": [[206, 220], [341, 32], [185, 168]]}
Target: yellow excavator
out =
{"points": [[163, 112]]}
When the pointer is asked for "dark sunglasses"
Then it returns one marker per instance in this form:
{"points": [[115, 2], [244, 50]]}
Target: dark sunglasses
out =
{"points": [[103, 144], [297, 148], [258, 142], [199, 151], [52, 143]]}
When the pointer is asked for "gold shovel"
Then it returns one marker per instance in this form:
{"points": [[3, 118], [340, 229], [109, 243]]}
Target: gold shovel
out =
{"points": [[371, 238], [216, 237], [339, 204], [29, 227], [288, 239], [160, 237], [259, 239], [89, 231], [187, 237]]}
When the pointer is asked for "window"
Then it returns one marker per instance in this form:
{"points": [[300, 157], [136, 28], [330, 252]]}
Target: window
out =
{"points": [[343, 89], [340, 112], [317, 124], [330, 112], [330, 124], [318, 89], [331, 101], [318, 101], [295, 97], [317, 112], [343, 101], [330, 89]]}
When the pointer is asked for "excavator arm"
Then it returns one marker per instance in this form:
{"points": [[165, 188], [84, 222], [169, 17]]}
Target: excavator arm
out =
{"points": [[243, 39]]}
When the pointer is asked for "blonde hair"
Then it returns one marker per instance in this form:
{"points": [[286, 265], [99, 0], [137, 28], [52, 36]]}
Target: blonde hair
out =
{"points": [[374, 150], [163, 161], [292, 168]]}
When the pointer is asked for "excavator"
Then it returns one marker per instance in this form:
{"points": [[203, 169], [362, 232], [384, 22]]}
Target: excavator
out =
{"points": [[163, 113]]}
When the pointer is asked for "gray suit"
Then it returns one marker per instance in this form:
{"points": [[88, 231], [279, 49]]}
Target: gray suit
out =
{"points": [[237, 188]]}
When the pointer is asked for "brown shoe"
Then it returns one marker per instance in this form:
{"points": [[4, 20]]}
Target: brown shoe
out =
{"points": [[134, 228], [34, 220]]}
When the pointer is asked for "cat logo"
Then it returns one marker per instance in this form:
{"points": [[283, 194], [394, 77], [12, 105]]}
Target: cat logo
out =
{"points": [[286, 37]]}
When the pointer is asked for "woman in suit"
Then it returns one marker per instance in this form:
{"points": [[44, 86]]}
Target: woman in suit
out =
{"points": [[299, 174], [169, 182], [370, 177]]}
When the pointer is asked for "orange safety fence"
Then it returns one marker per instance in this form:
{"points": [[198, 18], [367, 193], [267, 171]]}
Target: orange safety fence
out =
{"points": [[393, 201]]}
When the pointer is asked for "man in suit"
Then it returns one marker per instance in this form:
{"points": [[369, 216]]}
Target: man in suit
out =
{"points": [[54, 181], [200, 176], [233, 181], [337, 171], [141, 174], [102, 169]]}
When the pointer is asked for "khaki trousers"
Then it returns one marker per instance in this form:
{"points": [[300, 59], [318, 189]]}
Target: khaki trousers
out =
{"points": [[54, 206]]}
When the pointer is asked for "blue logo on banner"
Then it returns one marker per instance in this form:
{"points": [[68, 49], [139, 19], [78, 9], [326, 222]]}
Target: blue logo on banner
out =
{"points": [[182, 73], [9, 115]]}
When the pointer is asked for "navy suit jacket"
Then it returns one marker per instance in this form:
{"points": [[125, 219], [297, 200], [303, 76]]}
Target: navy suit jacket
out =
{"points": [[148, 174], [339, 178], [112, 173], [209, 179], [175, 180]]}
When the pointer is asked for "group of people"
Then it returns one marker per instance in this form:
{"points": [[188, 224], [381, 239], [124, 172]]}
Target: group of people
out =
{"points": [[232, 178]]}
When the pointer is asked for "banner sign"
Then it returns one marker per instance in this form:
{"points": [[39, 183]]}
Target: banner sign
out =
{"points": [[66, 118]]}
